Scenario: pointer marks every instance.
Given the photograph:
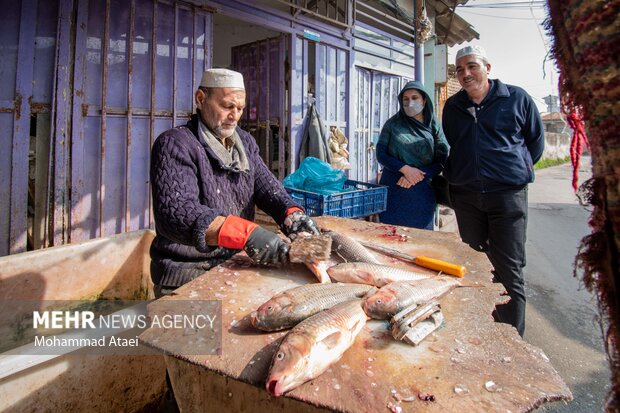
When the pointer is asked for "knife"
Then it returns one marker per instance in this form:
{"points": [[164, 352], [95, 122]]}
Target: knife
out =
{"points": [[422, 261]]}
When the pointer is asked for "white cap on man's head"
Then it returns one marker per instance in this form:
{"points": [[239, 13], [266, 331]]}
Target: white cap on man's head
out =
{"points": [[222, 78], [472, 50]]}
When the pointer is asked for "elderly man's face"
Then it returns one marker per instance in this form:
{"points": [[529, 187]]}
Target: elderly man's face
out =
{"points": [[473, 74], [221, 109]]}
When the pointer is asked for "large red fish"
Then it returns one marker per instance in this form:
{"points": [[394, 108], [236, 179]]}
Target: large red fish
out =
{"points": [[286, 309], [396, 296], [373, 274], [314, 345]]}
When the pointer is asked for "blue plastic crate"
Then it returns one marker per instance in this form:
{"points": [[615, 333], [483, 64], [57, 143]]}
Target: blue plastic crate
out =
{"points": [[358, 199]]}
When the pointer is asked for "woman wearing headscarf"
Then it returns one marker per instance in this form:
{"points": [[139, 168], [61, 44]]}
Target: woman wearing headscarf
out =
{"points": [[412, 149]]}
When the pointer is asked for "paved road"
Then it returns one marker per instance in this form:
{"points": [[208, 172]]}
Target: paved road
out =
{"points": [[561, 316]]}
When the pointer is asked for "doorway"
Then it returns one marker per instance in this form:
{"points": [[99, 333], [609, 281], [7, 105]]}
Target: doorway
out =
{"points": [[377, 101], [261, 55]]}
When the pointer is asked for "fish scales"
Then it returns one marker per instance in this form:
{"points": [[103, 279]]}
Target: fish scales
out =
{"points": [[422, 290], [373, 274], [396, 296], [351, 250], [314, 345], [323, 323], [327, 291], [321, 297], [289, 307]]}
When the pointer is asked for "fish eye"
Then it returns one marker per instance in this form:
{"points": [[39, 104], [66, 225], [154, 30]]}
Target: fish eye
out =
{"points": [[379, 301], [270, 308], [280, 356]]}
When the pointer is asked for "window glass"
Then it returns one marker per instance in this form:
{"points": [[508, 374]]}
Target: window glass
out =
{"points": [[371, 47], [366, 59], [408, 48]]}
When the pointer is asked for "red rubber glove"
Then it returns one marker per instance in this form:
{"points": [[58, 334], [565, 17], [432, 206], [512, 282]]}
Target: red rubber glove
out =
{"points": [[262, 246]]}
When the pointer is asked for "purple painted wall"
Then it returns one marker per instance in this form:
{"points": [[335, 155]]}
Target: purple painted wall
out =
{"points": [[9, 32], [28, 36], [135, 68], [138, 63], [111, 75]]}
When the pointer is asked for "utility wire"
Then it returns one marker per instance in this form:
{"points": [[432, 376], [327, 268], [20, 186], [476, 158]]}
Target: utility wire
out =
{"points": [[545, 43], [502, 17], [506, 5]]}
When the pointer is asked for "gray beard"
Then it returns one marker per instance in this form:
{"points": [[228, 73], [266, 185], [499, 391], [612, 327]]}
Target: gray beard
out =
{"points": [[235, 159]]}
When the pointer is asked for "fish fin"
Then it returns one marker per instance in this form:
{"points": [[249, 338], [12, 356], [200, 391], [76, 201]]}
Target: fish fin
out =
{"points": [[341, 256], [357, 324], [460, 282], [320, 271], [368, 293], [367, 277], [332, 340]]}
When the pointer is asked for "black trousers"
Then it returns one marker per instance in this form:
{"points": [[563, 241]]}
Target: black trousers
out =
{"points": [[496, 223]]}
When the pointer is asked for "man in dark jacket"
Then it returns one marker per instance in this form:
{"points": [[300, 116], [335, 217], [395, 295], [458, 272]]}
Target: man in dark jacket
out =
{"points": [[496, 136], [207, 177]]}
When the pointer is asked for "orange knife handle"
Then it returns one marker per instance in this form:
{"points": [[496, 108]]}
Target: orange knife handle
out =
{"points": [[438, 265]]}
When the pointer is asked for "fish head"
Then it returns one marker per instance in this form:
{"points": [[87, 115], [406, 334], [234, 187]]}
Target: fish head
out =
{"points": [[381, 305], [289, 365], [271, 313]]}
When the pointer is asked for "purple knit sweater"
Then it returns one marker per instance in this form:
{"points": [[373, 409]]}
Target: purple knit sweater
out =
{"points": [[190, 188]]}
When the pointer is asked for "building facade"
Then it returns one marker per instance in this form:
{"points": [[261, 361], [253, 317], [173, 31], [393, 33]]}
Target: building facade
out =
{"points": [[89, 84]]}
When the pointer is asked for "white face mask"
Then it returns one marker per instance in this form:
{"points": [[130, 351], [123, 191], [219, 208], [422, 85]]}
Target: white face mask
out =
{"points": [[414, 108]]}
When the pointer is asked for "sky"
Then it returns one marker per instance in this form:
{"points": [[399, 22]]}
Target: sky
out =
{"points": [[516, 44]]}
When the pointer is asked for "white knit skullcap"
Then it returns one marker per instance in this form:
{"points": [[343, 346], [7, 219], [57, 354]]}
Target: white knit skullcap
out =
{"points": [[222, 78], [472, 50]]}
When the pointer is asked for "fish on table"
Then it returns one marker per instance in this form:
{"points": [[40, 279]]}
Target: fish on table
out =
{"points": [[396, 296], [350, 250], [373, 274], [288, 308], [343, 248], [313, 345]]}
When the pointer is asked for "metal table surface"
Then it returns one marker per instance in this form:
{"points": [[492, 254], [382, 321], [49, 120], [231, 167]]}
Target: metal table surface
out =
{"points": [[446, 372]]}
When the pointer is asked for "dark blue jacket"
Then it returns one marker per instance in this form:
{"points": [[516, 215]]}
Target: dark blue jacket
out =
{"points": [[493, 145]]}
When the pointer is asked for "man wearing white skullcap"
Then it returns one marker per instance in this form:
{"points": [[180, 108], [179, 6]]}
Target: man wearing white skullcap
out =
{"points": [[220, 100], [222, 78], [207, 179], [496, 136], [473, 51]]}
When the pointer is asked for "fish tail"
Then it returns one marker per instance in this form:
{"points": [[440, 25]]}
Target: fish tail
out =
{"points": [[469, 284]]}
